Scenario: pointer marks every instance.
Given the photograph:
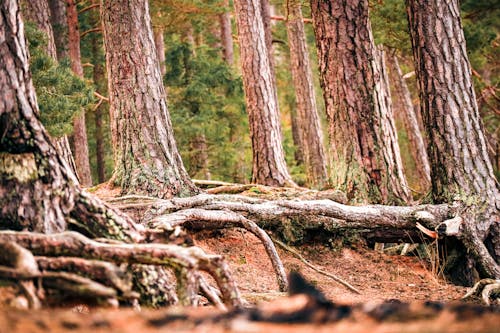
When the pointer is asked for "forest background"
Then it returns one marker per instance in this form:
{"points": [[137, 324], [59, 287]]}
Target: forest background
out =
{"points": [[205, 93]]}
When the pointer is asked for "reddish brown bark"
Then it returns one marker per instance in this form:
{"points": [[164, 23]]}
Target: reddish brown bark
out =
{"points": [[366, 161], [308, 123], [160, 50], [146, 156], [410, 121], [59, 26], [269, 167], [226, 35], [80, 143], [460, 166]]}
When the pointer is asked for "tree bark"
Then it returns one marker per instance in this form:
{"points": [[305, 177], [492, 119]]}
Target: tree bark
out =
{"points": [[38, 12], [100, 84], [226, 35], [269, 167], [366, 159], [80, 142], [460, 167], [36, 193], [146, 156], [417, 145], [160, 50], [311, 134], [60, 27]]}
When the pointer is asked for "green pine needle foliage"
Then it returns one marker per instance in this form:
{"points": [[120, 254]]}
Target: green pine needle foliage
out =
{"points": [[61, 94], [206, 99]]}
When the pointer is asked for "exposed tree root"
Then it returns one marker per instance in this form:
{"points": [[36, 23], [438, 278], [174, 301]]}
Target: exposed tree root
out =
{"points": [[217, 219], [487, 289], [178, 258]]}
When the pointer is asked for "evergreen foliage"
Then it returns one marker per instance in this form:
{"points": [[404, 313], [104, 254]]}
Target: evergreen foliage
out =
{"points": [[206, 99], [60, 93]]}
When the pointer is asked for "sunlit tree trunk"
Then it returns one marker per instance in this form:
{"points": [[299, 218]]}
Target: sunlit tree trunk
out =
{"points": [[80, 142], [460, 167], [308, 123], [269, 167], [226, 35], [366, 158], [410, 121], [146, 156]]}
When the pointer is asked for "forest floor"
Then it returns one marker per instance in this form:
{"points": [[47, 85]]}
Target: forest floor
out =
{"points": [[379, 277]]}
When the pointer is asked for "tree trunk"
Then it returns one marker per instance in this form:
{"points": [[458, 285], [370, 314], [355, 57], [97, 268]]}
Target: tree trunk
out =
{"points": [[146, 156], [38, 13], [311, 134], [269, 167], [160, 50], [460, 167], [226, 35], [80, 142], [416, 141], [366, 159], [60, 27], [101, 108], [36, 192]]}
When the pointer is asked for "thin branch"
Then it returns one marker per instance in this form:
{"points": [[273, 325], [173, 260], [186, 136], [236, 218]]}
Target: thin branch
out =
{"points": [[281, 18], [313, 267], [89, 31], [83, 10]]}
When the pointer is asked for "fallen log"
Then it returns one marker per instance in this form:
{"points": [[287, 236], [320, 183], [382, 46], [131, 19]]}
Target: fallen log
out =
{"points": [[295, 219]]}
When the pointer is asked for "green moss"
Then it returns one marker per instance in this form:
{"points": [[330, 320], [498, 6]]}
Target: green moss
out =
{"points": [[21, 167]]}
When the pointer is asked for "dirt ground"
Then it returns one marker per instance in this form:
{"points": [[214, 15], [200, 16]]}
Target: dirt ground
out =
{"points": [[379, 277]]}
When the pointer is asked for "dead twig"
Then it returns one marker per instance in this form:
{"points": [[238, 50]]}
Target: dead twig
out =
{"points": [[313, 267]]}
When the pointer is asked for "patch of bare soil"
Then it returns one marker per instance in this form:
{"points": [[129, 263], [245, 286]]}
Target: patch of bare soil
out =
{"points": [[379, 277]]}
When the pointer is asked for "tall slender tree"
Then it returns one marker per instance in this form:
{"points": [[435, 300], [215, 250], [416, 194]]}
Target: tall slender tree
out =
{"points": [[460, 167], [269, 167], [407, 114], [310, 133], [226, 35], [146, 156], [60, 27], [38, 12], [366, 158], [80, 142]]}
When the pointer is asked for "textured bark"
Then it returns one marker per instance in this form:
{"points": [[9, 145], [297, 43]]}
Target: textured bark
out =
{"points": [[146, 156], [38, 13], [460, 166], [309, 126], [60, 27], [403, 98], [366, 161], [160, 50], [269, 167], [100, 84], [36, 192], [226, 35], [80, 142]]}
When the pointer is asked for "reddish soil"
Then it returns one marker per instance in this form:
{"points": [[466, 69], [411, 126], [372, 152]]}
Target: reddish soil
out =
{"points": [[377, 275]]}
